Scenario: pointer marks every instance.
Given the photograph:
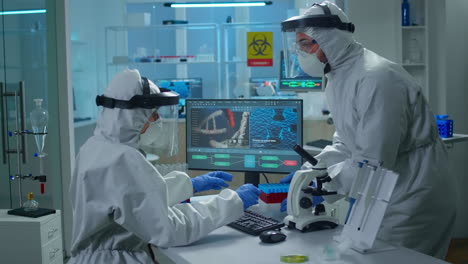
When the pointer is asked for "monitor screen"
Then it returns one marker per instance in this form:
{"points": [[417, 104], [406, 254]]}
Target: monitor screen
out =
{"points": [[250, 135], [185, 87], [302, 82], [257, 84]]}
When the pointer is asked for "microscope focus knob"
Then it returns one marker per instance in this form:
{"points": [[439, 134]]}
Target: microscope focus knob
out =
{"points": [[305, 203], [319, 209]]}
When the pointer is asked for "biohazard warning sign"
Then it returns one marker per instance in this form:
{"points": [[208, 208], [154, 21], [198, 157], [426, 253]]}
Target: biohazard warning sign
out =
{"points": [[259, 49]]}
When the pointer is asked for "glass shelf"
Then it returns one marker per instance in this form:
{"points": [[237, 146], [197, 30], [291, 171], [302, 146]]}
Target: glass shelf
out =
{"points": [[413, 64], [160, 63], [29, 67], [413, 27], [233, 62], [202, 26]]}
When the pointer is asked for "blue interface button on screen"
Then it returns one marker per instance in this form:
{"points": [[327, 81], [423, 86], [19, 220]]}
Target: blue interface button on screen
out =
{"points": [[249, 161]]}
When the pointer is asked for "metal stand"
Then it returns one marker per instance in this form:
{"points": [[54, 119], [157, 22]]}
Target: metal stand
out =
{"points": [[21, 148]]}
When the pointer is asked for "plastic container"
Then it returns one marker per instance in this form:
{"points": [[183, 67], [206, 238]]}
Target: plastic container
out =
{"points": [[273, 192], [405, 13], [444, 125]]}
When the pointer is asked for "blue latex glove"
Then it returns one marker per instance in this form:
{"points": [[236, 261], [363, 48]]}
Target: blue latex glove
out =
{"points": [[288, 178], [284, 205], [214, 180], [248, 194]]}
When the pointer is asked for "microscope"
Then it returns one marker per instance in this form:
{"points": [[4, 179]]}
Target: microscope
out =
{"points": [[370, 192], [302, 214]]}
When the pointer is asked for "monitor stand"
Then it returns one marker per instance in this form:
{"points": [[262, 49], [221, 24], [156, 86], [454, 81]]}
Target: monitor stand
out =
{"points": [[252, 177]]}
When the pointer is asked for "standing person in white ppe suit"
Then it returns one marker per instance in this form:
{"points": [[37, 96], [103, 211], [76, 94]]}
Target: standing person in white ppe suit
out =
{"points": [[380, 115], [121, 203]]}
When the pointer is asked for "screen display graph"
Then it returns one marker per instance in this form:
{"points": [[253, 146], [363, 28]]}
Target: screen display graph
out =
{"points": [[302, 82], [244, 135]]}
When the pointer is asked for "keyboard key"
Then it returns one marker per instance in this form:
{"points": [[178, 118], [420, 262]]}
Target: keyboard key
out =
{"points": [[253, 223]]}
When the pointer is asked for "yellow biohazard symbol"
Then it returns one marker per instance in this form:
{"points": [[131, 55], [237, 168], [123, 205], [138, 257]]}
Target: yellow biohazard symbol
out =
{"points": [[260, 46]]}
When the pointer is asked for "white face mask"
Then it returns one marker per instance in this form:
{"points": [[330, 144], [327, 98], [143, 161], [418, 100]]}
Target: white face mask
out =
{"points": [[153, 134], [310, 64]]}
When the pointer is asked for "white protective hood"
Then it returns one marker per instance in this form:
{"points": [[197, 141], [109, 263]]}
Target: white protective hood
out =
{"points": [[124, 125], [381, 115], [121, 203]]}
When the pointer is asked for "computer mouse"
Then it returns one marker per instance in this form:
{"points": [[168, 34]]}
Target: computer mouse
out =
{"points": [[272, 236]]}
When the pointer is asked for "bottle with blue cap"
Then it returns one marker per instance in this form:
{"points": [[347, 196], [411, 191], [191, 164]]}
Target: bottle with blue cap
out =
{"points": [[405, 13]]}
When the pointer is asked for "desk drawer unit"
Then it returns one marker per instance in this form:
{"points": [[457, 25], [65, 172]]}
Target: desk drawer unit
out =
{"points": [[30, 240]]}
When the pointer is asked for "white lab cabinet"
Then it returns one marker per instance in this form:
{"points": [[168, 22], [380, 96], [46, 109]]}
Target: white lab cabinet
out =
{"points": [[30, 240], [415, 44]]}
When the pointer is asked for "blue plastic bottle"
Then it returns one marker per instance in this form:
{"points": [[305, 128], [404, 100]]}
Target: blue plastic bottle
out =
{"points": [[405, 13]]}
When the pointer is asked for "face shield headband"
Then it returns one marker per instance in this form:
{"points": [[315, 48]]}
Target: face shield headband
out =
{"points": [[327, 20], [146, 100]]}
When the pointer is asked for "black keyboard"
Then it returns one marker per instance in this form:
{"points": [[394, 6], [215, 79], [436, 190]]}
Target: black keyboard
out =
{"points": [[254, 223]]}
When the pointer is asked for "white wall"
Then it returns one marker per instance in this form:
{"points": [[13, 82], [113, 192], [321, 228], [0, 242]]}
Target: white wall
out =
{"points": [[456, 96], [377, 27]]}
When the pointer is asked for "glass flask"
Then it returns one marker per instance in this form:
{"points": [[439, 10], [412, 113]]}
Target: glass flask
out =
{"points": [[39, 117], [30, 204]]}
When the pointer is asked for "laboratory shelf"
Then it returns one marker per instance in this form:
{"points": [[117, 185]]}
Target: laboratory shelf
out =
{"points": [[413, 27], [414, 45], [167, 51], [413, 64], [234, 62], [202, 26], [455, 139], [160, 63]]}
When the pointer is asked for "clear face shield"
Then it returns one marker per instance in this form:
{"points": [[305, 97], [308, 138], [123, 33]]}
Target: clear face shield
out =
{"points": [[300, 56], [160, 135], [300, 50]]}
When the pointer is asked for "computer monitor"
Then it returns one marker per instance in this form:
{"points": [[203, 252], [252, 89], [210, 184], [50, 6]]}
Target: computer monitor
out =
{"points": [[257, 82], [249, 135], [185, 87], [302, 82]]}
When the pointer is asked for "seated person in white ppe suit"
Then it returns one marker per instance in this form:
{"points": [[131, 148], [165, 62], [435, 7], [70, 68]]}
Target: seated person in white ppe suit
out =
{"points": [[121, 203], [381, 115]]}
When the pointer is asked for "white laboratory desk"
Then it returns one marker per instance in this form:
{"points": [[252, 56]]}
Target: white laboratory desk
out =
{"points": [[229, 246]]}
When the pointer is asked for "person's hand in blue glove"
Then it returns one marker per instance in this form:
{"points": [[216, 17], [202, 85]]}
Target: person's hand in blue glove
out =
{"points": [[288, 178], [248, 194], [214, 180]]}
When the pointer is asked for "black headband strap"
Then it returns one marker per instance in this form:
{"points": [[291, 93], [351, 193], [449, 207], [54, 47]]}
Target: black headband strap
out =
{"points": [[146, 87], [146, 100], [325, 8]]}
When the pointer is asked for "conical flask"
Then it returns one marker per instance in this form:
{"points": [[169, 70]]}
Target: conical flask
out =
{"points": [[39, 117]]}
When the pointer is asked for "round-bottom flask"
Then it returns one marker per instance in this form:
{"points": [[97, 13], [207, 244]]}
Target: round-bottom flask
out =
{"points": [[30, 204]]}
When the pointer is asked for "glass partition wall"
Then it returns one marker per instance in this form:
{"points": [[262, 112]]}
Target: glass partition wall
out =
{"points": [[25, 75]]}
